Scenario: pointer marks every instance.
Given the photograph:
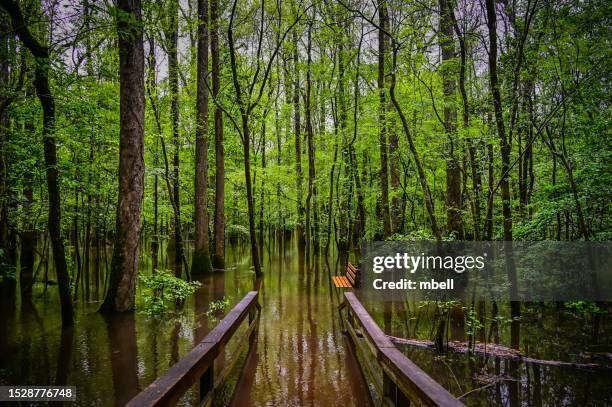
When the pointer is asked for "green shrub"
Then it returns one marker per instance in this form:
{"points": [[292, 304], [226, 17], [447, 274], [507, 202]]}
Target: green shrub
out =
{"points": [[217, 307], [161, 289]]}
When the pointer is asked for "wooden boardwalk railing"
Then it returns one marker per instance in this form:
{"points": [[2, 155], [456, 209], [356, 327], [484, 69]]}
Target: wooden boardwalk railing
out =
{"points": [[402, 383], [199, 364]]}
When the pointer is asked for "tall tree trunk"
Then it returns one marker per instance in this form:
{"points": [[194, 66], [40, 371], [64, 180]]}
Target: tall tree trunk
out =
{"points": [[201, 253], [453, 174], [310, 141], [343, 199], [488, 232], [359, 227], [475, 174], [330, 198], [151, 90], [297, 126], [47, 101], [218, 259], [505, 167], [262, 193], [120, 295], [382, 117], [246, 144], [172, 46]]}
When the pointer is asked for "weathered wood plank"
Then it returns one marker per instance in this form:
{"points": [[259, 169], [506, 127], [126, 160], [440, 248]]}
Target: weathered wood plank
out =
{"points": [[226, 328], [414, 382], [167, 389], [371, 329]]}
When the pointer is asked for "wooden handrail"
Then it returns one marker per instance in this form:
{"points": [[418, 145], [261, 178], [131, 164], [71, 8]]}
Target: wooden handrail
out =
{"points": [[403, 381], [198, 364]]}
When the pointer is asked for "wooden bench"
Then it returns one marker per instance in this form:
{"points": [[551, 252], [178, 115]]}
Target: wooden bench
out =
{"points": [[351, 279]]}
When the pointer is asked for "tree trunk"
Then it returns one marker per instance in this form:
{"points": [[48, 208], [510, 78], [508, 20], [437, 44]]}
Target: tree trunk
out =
{"points": [[310, 140], [201, 253], [475, 174], [298, 144], [172, 46], [246, 144], [120, 295], [454, 223], [218, 259], [47, 101], [151, 87], [342, 229], [359, 226], [262, 193], [382, 118], [250, 202], [505, 167]]}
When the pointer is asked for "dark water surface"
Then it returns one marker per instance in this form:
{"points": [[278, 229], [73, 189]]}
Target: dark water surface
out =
{"points": [[302, 358], [547, 332]]}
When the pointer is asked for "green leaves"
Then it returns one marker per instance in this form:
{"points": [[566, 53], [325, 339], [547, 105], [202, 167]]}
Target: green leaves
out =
{"points": [[161, 289]]}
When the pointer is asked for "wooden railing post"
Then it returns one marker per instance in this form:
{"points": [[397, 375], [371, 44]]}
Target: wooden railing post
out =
{"points": [[389, 389], [204, 366], [253, 335], [207, 381], [403, 382]]}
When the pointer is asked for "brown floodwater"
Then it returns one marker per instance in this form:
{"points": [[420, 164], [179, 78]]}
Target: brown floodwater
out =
{"points": [[302, 357]]}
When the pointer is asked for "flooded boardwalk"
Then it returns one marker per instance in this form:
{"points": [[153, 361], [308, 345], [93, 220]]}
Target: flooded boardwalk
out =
{"points": [[302, 357]]}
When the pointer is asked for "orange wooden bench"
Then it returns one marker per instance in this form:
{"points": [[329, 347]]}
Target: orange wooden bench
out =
{"points": [[351, 279]]}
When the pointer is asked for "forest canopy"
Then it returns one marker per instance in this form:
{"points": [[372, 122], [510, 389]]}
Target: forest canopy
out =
{"points": [[192, 123]]}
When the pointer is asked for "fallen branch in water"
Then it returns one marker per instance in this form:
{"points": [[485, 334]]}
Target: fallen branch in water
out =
{"points": [[497, 351]]}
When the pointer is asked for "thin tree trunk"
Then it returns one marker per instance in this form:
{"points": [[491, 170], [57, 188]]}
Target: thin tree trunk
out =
{"points": [[505, 167], [475, 174], [310, 141], [359, 227], [151, 91], [454, 223], [298, 144], [382, 118], [263, 181], [47, 101], [173, 67], [75, 237], [218, 259], [246, 145]]}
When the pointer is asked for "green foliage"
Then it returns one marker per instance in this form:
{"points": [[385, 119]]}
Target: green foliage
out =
{"points": [[161, 289], [583, 307], [474, 325], [237, 233], [219, 306]]}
